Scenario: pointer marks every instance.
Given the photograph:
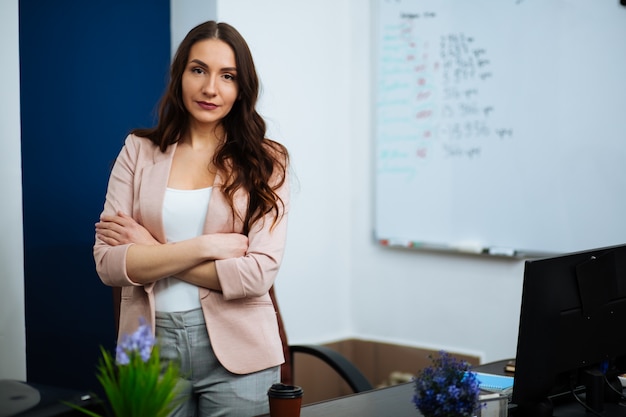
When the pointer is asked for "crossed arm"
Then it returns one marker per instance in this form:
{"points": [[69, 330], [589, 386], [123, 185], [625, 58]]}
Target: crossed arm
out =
{"points": [[148, 260]]}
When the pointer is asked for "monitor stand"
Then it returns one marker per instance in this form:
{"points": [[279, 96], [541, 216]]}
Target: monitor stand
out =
{"points": [[594, 389], [597, 393]]}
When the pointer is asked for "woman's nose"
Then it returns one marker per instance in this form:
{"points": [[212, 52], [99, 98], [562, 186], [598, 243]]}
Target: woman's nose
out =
{"points": [[209, 86]]}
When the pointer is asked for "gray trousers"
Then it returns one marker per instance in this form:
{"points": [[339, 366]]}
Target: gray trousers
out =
{"points": [[210, 390]]}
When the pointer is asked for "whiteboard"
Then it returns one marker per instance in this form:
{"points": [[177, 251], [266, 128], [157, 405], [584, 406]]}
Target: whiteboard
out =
{"points": [[500, 124]]}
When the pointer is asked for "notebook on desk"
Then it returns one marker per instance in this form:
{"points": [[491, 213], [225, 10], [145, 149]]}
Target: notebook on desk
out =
{"points": [[494, 383]]}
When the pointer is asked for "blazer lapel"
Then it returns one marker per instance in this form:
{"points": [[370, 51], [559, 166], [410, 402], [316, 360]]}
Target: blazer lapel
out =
{"points": [[154, 178]]}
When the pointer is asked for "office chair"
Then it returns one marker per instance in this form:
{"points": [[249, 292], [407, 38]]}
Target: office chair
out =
{"points": [[346, 369], [339, 363]]}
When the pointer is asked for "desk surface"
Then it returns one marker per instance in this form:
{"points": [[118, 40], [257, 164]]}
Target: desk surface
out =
{"points": [[396, 401], [393, 401], [390, 401]]}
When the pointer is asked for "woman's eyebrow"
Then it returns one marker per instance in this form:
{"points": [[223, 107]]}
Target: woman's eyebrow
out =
{"points": [[197, 61], [204, 65]]}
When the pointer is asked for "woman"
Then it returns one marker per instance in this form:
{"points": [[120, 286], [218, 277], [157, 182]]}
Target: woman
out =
{"points": [[194, 224]]}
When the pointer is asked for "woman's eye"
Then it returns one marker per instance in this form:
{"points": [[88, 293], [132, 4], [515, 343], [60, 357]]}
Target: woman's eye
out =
{"points": [[229, 77], [197, 70]]}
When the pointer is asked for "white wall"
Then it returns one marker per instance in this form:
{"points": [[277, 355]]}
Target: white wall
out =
{"points": [[185, 14], [12, 330], [314, 59]]}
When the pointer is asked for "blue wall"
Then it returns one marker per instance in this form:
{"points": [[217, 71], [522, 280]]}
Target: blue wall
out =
{"points": [[90, 71]]}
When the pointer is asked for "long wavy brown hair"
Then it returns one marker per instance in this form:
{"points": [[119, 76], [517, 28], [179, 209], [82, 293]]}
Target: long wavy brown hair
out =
{"points": [[252, 162]]}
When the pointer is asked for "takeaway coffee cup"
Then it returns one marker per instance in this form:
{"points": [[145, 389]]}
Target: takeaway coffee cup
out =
{"points": [[285, 400]]}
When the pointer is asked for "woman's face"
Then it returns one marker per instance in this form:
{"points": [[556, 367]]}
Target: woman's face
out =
{"points": [[209, 83]]}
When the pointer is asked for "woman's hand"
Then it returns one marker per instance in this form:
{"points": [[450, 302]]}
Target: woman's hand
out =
{"points": [[225, 245], [121, 229]]}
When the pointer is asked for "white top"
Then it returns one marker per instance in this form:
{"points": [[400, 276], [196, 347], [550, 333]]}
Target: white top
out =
{"points": [[184, 214]]}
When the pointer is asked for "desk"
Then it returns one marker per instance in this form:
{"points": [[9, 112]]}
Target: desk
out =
{"points": [[393, 401], [396, 401]]}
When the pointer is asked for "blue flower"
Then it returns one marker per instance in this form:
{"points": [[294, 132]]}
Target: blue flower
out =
{"points": [[141, 342], [446, 389]]}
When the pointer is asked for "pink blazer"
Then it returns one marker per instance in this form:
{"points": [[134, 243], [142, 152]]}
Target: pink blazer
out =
{"points": [[241, 320]]}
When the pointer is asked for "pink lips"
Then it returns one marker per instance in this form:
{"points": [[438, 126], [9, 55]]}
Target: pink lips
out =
{"points": [[207, 106]]}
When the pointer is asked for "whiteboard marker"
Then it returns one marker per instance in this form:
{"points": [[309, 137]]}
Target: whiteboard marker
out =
{"points": [[400, 242], [468, 247]]}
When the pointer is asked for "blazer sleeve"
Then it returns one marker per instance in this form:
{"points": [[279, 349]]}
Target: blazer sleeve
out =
{"points": [[253, 274], [111, 260]]}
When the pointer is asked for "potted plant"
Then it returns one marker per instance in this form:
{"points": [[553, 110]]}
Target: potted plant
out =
{"points": [[135, 383]]}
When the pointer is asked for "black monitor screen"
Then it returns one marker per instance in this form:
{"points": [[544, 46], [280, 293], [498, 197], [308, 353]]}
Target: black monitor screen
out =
{"points": [[572, 330]]}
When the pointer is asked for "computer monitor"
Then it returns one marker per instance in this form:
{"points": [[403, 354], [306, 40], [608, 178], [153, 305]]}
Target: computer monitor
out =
{"points": [[572, 330]]}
